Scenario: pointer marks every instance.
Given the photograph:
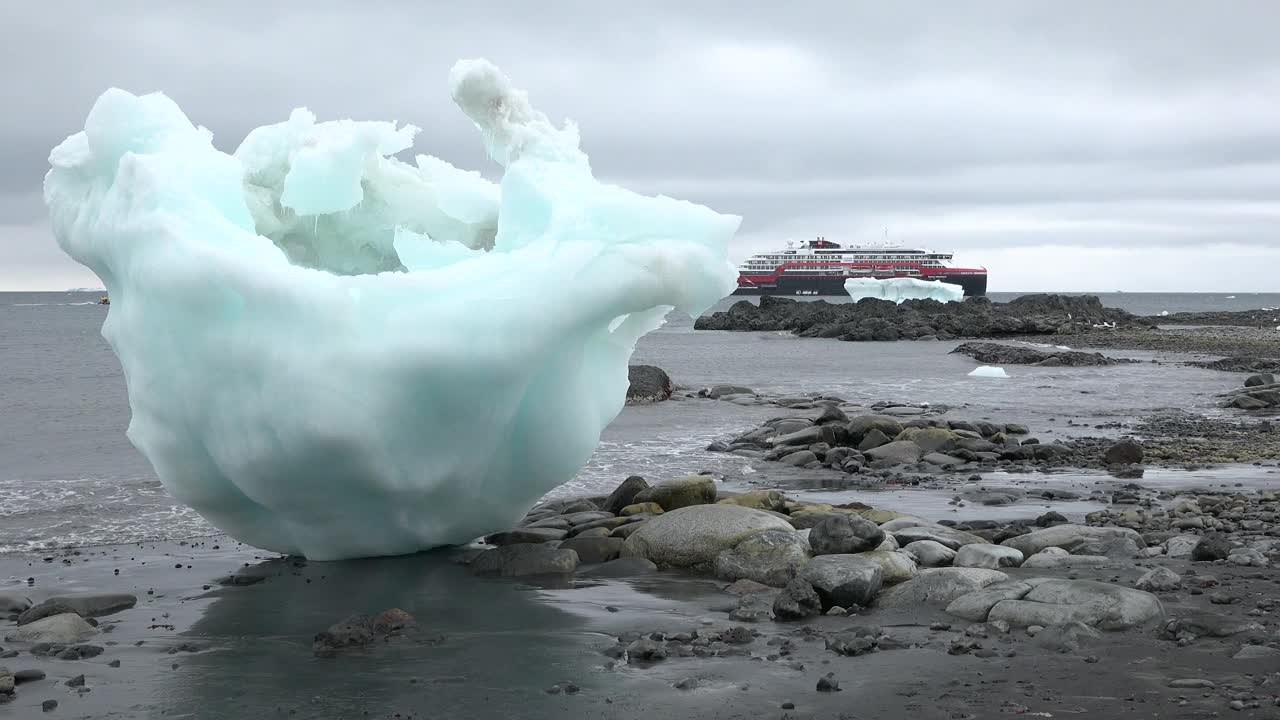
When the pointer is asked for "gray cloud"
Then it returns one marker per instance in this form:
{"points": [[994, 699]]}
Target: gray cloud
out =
{"points": [[1011, 129]]}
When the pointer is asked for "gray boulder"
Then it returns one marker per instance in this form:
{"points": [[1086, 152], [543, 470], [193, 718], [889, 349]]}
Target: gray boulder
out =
{"points": [[873, 439], [1067, 537], [1116, 547], [898, 452], [1180, 546], [65, 629], [929, 439], [593, 550], [523, 560], [526, 535], [844, 534], [930, 553], [991, 557], [1160, 579], [622, 567], [975, 606], [939, 586], [649, 384], [895, 566], [693, 536], [1213, 546], [624, 494], [843, 580], [797, 601], [1125, 452], [680, 492], [1049, 561], [941, 534], [860, 426], [1097, 604], [772, 557]]}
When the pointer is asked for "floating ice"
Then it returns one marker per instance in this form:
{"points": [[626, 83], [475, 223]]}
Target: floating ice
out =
{"points": [[332, 352], [987, 371], [900, 289]]}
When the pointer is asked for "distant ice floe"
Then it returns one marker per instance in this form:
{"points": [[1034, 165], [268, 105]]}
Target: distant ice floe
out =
{"points": [[988, 371], [899, 290], [334, 353]]}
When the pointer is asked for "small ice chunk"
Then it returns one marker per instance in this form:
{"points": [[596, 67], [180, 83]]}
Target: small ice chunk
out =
{"points": [[989, 371], [1164, 313], [900, 289]]}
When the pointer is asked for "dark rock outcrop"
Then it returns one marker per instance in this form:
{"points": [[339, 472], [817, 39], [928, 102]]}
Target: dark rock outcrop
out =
{"points": [[649, 384], [998, 354], [874, 319]]}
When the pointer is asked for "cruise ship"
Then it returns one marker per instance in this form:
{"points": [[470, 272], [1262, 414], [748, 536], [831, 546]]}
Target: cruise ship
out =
{"points": [[820, 267]]}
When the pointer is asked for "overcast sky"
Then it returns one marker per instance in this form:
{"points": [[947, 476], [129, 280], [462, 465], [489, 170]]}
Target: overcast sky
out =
{"points": [[1065, 146]]}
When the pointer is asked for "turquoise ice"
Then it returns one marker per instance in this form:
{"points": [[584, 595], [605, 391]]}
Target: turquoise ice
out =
{"points": [[899, 289], [335, 353]]}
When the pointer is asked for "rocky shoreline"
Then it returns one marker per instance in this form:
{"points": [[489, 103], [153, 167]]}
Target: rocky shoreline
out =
{"points": [[882, 320], [1000, 354], [895, 442], [801, 600], [1190, 561]]}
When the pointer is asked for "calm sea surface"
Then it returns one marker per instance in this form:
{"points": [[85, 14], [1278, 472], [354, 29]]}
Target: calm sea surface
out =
{"points": [[68, 475]]}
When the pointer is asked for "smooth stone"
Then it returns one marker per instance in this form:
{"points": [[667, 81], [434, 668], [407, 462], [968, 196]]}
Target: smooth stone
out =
{"points": [[938, 586], [1180, 546], [942, 460], [929, 439], [622, 567], [844, 580], [606, 524], [28, 675], [652, 508], [1047, 561], [976, 606], [930, 553], [772, 557], [991, 557], [693, 536], [1257, 652], [66, 629], [895, 566], [1067, 537], [898, 452], [1160, 579], [680, 492], [519, 536], [589, 516], [844, 535], [525, 559], [950, 537], [1097, 604], [593, 550]]}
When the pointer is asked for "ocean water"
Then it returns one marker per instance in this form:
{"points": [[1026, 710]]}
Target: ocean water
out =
{"points": [[69, 476]]}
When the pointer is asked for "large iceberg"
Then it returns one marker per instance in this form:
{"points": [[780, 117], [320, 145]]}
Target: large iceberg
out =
{"points": [[331, 352], [900, 289]]}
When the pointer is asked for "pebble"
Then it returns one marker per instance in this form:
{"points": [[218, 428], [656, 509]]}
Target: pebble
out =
{"points": [[49, 705], [1192, 684]]}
